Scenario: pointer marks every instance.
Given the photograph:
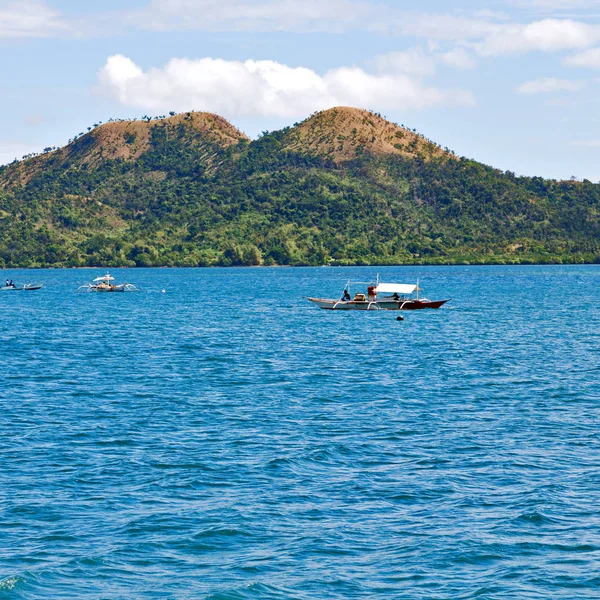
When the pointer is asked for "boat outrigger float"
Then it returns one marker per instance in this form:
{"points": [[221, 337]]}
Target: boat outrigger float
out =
{"points": [[380, 296], [104, 284]]}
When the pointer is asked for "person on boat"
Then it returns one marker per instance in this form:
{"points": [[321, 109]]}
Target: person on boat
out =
{"points": [[396, 297], [11, 284], [7, 283], [346, 297], [371, 292]]}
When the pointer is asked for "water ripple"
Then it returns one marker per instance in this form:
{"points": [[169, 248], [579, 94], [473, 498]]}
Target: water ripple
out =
{"points": [[227, 440]]}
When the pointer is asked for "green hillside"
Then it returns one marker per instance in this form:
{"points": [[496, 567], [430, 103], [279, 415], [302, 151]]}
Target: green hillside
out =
{"points": [[343, 187]]}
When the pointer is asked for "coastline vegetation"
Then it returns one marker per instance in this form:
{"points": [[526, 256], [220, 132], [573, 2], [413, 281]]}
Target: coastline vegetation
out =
{"points": [[188, 199]]}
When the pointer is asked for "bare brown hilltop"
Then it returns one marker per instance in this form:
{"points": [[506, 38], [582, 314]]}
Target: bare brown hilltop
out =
{"points": [[339, 134], [343, 133], [128, 140]]}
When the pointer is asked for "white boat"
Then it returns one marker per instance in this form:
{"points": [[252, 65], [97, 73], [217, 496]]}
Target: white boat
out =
{"points": [[379, 296], [17, 287], [105, 284]]}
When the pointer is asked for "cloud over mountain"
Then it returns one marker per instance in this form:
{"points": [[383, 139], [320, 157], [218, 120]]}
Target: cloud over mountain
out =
{"points": [[264, 88]]}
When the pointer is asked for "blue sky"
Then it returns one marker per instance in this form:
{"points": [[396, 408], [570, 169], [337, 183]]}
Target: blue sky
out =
{"points": [[514, 85]]}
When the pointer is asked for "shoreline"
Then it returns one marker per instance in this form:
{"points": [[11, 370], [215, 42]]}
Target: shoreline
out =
{"points": [[353, 266]]}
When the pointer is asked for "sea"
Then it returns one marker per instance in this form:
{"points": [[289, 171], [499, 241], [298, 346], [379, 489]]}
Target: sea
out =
{"points": [[218, 436]]}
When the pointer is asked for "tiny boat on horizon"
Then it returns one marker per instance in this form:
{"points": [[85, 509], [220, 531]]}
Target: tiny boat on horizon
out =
{"points": [[104, 284], [401, 296]]}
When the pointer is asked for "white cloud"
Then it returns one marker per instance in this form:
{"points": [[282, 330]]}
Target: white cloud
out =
{"points": [[416, 62], [395, 92], [29, 18], [252, 15], [303, 15], [548, 85], [589, 58], [314, 15], [35, 17], [549, 35], [264, 88], [488, 33]]}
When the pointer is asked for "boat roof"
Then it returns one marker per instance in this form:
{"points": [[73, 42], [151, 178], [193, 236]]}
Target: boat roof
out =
{"points": [[396, 288], [106, 277]]}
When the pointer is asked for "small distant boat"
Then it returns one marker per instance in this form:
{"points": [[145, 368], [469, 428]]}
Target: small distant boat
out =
{"points": [[21, 288], [380, 296], [104, 284]]}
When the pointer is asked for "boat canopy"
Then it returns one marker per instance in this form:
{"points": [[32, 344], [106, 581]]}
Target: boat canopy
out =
{"points": [[395, 288], [106, 277]]}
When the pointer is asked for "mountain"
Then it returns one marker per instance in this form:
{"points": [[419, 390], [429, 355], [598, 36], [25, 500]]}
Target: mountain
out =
{"points": [[345, 186], [128, 141], [344, 133]]}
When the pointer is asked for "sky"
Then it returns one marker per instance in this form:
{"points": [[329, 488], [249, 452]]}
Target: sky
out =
{"points": [[511, 83]]}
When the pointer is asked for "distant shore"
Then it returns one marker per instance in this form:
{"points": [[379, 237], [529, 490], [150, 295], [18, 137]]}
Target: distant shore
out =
{"points": [[333, 266]]}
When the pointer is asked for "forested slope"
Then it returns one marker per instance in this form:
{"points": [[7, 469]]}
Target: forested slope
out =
{"points": [[343, 187]]}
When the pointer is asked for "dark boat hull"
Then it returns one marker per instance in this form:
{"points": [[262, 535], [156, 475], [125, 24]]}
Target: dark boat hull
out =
{"points": [[419, 304], [384, 304]]}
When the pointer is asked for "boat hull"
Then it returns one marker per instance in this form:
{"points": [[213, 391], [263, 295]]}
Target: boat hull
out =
{"points": [[419, 304], [122, 287], [329, 304], [21, 288]]}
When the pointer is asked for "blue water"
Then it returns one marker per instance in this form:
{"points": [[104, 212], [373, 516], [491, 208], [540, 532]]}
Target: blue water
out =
{"points": [[227, 439]]}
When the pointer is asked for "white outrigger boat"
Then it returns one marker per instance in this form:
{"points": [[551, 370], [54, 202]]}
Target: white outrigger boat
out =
{"points": [[380, 296], [104, 284]]}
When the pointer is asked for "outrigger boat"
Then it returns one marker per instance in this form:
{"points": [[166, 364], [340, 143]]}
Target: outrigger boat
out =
{"points": [[380, 296], [104, 284]]}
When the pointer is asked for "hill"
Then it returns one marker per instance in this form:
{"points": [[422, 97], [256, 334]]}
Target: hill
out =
{"points": [[345, 186], [128, 141], [344, 133]]}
